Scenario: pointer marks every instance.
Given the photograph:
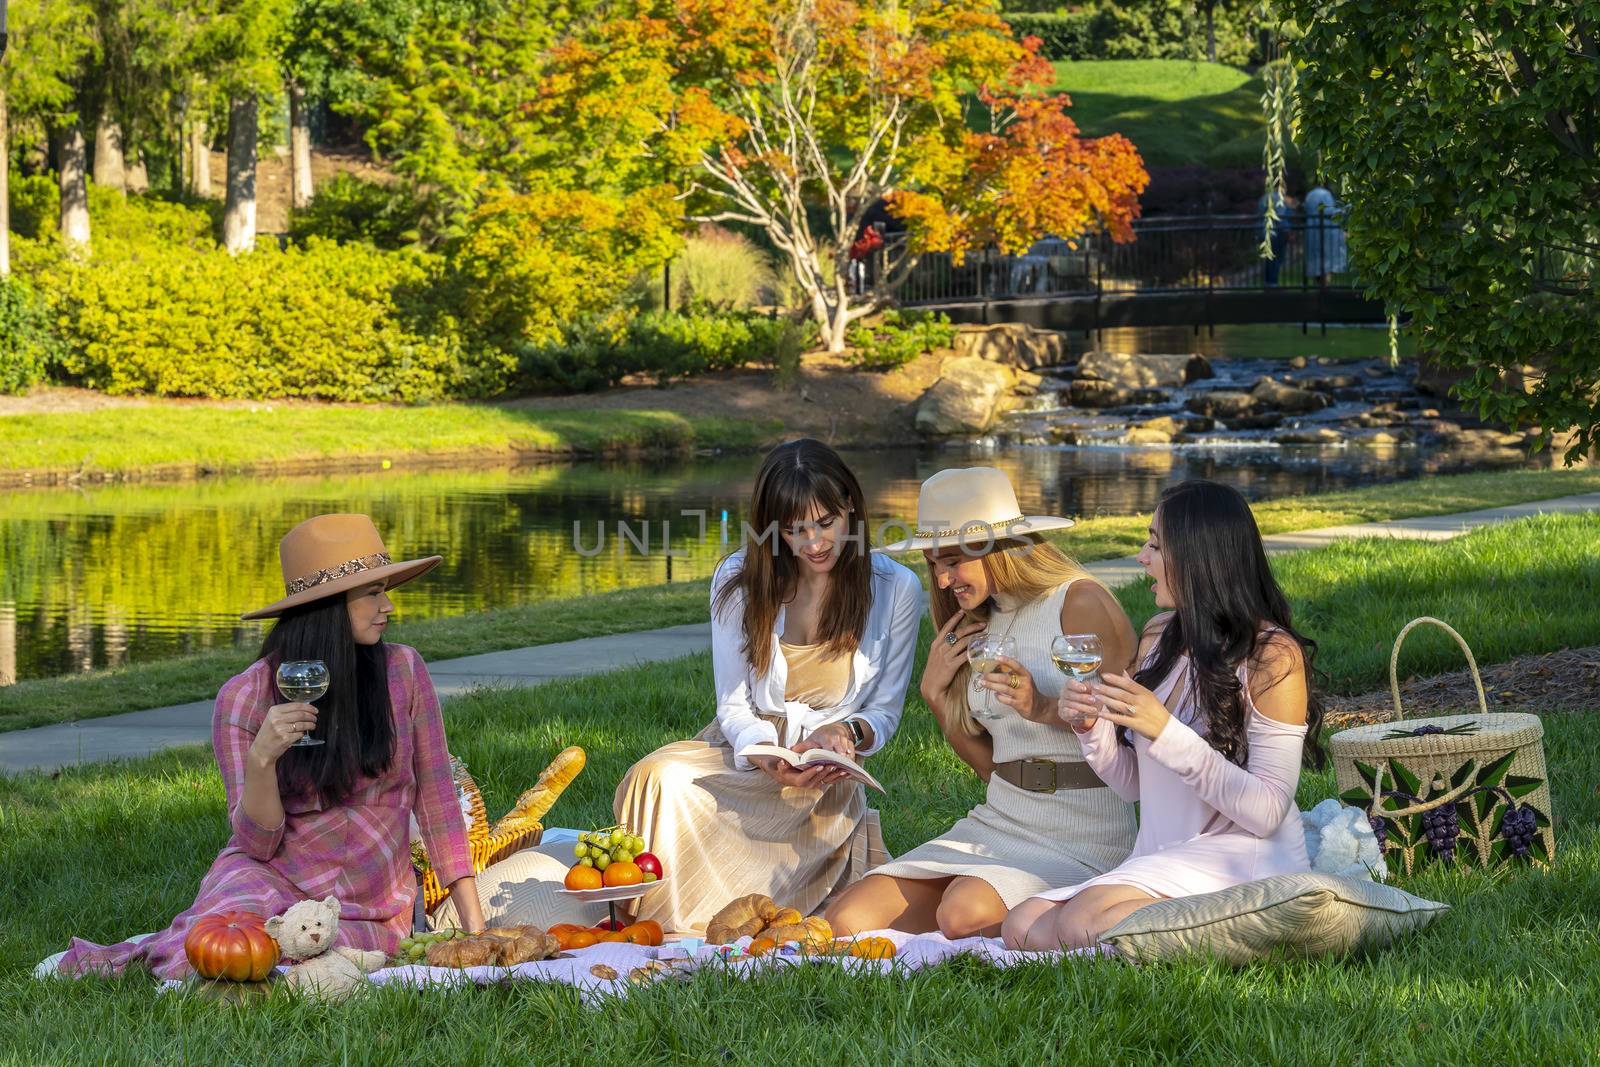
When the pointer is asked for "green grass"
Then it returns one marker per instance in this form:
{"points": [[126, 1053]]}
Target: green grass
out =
{"points": [[108, 850], [1177, 112], [37, 702], [206, 438]]}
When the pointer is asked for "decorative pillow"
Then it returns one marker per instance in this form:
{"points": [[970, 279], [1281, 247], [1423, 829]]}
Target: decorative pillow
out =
{"points": [[1301, 914]]}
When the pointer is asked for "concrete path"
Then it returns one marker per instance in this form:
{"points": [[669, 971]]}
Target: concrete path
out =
{"points": [[141, 732]]}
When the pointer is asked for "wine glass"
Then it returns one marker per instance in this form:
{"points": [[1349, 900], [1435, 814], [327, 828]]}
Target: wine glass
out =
{"points": [[984, 654], [303, 680], [1079, 656]]}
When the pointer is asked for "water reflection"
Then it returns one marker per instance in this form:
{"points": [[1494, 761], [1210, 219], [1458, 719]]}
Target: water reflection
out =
{"points": [[114, 575]]}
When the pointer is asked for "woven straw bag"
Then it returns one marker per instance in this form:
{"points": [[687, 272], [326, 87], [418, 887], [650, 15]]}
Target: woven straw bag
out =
{"points": [[1464, 789], [518, 829]]}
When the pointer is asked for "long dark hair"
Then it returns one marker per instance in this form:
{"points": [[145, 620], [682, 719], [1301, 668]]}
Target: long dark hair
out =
{"points": [[796, 477], [354, 718], [1225, 593]]}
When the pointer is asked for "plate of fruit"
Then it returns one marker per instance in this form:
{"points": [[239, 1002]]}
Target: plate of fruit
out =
{"points": [[612, 864]]}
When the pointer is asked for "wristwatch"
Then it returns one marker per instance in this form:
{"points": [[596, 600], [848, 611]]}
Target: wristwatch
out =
{"points": [[858, 735]]}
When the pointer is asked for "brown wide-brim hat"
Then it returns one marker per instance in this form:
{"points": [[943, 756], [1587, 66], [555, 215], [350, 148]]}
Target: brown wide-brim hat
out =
{"points": [[331, 554]]}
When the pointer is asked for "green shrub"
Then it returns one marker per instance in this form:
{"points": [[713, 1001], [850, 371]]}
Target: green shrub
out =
{"points": [[720, 268], [662, 345], [1152, 29], [347, 208], [114, 219], [897, 338], [28, 347], [327, 321]]}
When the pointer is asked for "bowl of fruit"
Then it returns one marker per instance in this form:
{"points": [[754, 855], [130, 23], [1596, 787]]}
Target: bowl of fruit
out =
{"points": [[612, 864]]}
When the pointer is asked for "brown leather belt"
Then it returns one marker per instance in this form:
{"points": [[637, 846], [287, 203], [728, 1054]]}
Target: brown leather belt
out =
{"points": [[1046, 776]]}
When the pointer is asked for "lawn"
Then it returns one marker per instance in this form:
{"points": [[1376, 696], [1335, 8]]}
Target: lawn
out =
{"points": [[210, 438], [195, 677], [1177, 112], [104, 851]]}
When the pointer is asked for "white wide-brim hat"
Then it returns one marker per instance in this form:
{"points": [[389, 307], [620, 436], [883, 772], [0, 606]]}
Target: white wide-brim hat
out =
{"points": [[971, 506]]}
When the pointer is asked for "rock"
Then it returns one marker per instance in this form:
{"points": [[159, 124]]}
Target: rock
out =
{"points": [[1144, 371], [969, 395], [1372, 370], [1270, 393], [1013, 344], [1379, 418], [1165, 424], [1333, 382], [1437, 428], [1298, 363], [1222, 404], [1064, 435], [1436, 379], [1326, 361], [1378, 438], [1348, 396], [1321, 435], [1261, 420], [1510, 440], [1091, 393], [1428, 413], [1150, 397], [1140, 435]]}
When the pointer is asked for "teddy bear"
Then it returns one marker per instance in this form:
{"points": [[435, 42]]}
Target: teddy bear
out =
{"points": [[305, 933], [1340, 840]]}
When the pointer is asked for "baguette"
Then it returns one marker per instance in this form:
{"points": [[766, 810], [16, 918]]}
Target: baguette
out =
{"points": [[535, 803]]}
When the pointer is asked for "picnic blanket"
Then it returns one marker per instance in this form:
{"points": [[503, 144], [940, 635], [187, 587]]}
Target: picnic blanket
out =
{"points": [[611, 970]]}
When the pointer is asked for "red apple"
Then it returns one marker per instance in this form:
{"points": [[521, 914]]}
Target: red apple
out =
{"points": [[610, 924], [648, 863]]}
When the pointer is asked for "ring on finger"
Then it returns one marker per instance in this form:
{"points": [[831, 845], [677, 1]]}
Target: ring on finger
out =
{"points": [[950, 638], [1016, 682]]}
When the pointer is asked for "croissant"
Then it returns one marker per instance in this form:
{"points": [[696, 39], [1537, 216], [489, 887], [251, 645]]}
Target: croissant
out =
{"points": [[813, 933], [464, 952], [746, 916], [786, 917], [528, 948]]}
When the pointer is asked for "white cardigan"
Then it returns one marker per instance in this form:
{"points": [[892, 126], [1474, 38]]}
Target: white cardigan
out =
{"points": [[880, 670]]}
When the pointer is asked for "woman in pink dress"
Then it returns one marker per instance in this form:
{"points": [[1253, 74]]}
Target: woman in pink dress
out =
{"points": [[1208, 735], [333, 818]]}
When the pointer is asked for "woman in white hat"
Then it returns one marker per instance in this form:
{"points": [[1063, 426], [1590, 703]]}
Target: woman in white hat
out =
{"points": [[331, 817], [1046, 820], [813, 635]]}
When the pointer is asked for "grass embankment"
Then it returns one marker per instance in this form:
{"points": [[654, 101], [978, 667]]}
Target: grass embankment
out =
{"points": [[1508, 975], [41, 701], [1177, 112], [181, 438]]}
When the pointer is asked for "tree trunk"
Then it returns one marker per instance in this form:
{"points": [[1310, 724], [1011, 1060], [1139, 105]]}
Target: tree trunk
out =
{"points": [[300, 190], [72, 167], [138, 177], [5, 192], [1211, 35], [239, 213], [200, 151], [110, 168]]}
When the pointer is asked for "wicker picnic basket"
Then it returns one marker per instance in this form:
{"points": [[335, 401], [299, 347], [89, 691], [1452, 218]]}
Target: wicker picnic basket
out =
{"points": [[518, 829], [1465, 789]]}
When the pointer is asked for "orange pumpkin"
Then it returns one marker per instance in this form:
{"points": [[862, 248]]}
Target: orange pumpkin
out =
{"points": [[231, 944], [645, 932]]}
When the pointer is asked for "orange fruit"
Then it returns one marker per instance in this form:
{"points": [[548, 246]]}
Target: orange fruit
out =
{"points": [[563, 928], [623, 872], [580, 939], [873, 948], [581, 877], [645, 932], [611, 936]]}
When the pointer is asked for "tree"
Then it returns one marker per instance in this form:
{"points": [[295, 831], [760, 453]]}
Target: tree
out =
{"points": [[766, 113], [1465, 140]]}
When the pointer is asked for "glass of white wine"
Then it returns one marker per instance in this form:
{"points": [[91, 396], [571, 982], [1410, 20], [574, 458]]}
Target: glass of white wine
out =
{"points": [[984, 654], [303, 680], [1078, 656]]}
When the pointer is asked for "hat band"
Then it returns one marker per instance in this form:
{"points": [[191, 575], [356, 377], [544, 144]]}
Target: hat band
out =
{"points": [[963, 530], [328, 574]]}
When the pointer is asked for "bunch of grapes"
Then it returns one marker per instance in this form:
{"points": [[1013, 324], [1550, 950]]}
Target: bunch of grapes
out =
{"points": [[1442, 826], [414, 949], [1380, 829], [601, 848], [1519, 827]]}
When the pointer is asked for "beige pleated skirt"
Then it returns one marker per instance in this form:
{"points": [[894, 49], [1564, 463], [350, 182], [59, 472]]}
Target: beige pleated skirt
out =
{"points": [[722, 833]]}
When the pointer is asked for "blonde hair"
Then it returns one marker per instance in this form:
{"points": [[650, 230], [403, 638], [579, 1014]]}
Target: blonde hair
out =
{"points": [[1027, 569]]}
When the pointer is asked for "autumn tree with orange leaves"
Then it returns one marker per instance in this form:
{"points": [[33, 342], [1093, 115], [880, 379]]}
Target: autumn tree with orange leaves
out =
{"points": [[796, 116]]}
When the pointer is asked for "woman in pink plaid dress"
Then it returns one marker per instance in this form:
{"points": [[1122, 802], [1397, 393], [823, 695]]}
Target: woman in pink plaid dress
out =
{"points": [[334, 819]]}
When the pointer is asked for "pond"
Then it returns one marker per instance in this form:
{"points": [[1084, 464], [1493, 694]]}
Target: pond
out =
{"points": [[111, 575]]}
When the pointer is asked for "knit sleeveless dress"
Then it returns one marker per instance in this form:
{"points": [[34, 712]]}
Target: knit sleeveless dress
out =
{"points": [[1023, 843]]}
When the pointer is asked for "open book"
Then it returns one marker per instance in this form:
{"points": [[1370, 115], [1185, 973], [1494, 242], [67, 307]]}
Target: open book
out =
{"points": [[810, 758]]}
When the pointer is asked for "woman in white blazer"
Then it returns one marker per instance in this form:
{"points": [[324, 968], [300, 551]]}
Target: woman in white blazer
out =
{"points": [[812, 639]]}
